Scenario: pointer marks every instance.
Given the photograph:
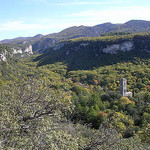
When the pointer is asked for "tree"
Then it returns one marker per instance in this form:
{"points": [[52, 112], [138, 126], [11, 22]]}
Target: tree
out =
{"points": [[31, 112]]}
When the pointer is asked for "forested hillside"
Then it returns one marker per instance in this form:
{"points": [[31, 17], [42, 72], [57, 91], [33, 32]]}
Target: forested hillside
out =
{"points": [[69, 98], [86, 53]]}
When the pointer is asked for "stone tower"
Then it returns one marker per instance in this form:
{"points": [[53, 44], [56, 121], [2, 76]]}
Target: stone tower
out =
{"points": [[123, 87]]}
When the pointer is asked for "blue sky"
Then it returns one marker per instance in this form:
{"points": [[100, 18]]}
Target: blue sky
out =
{"points": [[31, 17]]}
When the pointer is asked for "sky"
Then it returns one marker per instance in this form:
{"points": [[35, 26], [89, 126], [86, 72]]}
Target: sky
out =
{"points": [[25, 18]]}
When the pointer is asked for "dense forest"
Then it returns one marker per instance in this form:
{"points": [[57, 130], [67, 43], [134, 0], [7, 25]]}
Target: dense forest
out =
{"points": [[73, 102]]}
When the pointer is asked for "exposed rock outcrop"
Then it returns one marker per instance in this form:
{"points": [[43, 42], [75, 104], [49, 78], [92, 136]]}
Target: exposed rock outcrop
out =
{"points": [[126, 46], [84, 44], [17, 50], [2, 57], [29, 49], [110, 49]]}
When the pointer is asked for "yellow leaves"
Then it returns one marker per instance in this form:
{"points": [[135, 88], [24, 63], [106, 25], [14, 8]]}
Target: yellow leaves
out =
{"points": [[115, 84], [146, 115], [104, 38], [102, 114], [133, 102], [125, 101], [119, 115], [121, 126], [120, 119], [96, 82], [147, 87], [131, 90]]}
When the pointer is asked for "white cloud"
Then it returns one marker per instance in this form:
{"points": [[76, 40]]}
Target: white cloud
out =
{"points": [[44, 24], [19, 25], [88, 18], [115, 15], [38, 1], [94, 3]]}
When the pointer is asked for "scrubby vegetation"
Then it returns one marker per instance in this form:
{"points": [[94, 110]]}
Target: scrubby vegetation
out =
{"points": [[56, 105]]}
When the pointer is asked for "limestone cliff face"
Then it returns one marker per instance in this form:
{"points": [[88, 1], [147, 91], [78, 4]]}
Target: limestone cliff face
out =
{"points": [[125, 46], [111, 49], [96, 48], [28, 50], [3, 56], [17, 50]]}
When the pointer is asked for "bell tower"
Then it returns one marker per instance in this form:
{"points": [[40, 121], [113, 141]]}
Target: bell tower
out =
{"points": [[123, 86]]}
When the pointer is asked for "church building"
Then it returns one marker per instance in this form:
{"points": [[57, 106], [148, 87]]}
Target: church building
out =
{"points": [[123, 88]]}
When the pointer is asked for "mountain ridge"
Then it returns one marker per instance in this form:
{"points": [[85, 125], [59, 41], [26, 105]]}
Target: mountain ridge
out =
{"points": [[41, 42]]}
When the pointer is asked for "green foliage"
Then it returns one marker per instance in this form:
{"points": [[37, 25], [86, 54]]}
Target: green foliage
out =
{"points": [[30, 110], [144, 133], [4, 48], [40, 103]]}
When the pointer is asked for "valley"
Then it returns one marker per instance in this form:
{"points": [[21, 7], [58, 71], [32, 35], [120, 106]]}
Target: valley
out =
{"points": [[68, 96]]}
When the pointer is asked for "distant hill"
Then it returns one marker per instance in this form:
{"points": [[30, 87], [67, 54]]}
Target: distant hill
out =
{"points": [[132, 26], [38, 36], [40, 42], [84, 31], [138, 25], [15, 39]]}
